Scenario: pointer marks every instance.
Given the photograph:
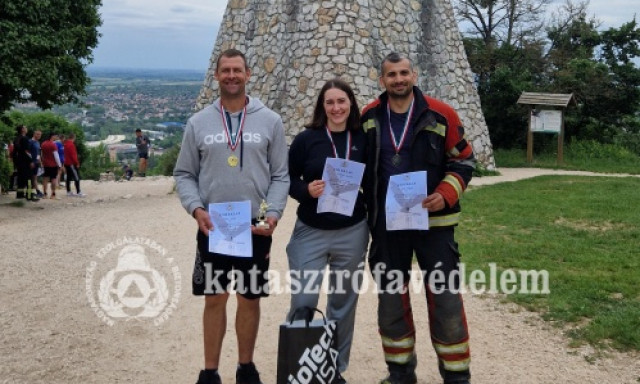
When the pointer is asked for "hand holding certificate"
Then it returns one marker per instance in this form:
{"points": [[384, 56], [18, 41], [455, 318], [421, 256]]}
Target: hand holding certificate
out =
{"points": [[404, 195], [231, 234], [342, 182]]}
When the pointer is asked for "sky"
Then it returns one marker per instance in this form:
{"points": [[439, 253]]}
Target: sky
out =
{"points": [[180, 34]]}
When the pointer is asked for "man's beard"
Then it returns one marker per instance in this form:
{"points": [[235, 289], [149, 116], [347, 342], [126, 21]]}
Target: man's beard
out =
{"points": [[400, 95]]}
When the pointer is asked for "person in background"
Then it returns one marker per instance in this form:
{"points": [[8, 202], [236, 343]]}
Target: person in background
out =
{"points": [[72, 166], [142, 144], [127, 172], [251, 165], [13, 179], [23, 163], [34, 148], [408, 131], [328, 239], [61, 170], [51, 164]]}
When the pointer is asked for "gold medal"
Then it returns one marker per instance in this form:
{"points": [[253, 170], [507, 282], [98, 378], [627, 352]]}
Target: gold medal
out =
{"points": [[233, 161]]}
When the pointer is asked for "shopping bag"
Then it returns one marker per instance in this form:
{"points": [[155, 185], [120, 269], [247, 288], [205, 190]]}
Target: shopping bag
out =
{"points": [[307, 349]]}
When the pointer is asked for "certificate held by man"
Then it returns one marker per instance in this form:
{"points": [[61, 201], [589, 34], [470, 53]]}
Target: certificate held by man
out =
{"points": [[403, 205], [342, 182], [231, 234]]}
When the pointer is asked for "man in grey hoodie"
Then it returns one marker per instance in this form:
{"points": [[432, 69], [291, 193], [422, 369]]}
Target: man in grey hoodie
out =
{"points": [[232, 150]]}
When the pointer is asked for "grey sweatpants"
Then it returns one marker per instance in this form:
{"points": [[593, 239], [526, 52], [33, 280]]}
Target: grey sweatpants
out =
{"points": [[310, 251]]}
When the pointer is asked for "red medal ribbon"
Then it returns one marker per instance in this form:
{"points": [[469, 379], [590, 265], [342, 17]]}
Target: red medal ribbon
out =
{"points": [[228, 129], [347, 151], [398, 145]]}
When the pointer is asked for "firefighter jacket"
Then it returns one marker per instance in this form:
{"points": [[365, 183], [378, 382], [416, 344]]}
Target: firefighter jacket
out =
{"points": [[437, 145]]}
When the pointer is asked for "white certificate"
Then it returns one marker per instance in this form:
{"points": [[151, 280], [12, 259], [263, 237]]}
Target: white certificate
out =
{"points": [[403, 205], [231, 234], [342, 180]]}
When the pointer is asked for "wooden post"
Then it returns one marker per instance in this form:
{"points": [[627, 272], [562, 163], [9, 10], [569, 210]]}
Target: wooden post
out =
{"points": [[561, 139], [530, 139]]}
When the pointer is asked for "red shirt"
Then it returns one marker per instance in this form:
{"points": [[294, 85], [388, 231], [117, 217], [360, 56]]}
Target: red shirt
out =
{"points": [[70, 154], [48, 158]]}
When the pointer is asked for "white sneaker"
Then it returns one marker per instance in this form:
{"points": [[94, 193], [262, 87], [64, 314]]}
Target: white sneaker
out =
{"points": [[81, 195], [71, 194]]}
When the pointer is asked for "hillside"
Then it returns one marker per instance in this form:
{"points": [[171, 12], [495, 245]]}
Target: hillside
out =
{"points": [[120, 100]]}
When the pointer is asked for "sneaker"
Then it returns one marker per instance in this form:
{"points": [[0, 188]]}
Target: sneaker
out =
{"points": [[400, 378], [39, 194], [247, 374], [209, 378], [71, 194], [339, 379], [80, 194]]}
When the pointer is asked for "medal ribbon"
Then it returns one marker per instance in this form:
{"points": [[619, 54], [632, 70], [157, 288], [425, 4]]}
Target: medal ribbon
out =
{"points": [[398, 145], [347, 151], [232, 141]]}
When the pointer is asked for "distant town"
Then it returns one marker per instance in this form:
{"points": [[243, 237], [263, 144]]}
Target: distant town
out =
{"points": [[118, 101]]}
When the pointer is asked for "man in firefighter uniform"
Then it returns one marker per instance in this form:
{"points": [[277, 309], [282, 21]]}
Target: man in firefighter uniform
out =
{"points": [[408, 131]]}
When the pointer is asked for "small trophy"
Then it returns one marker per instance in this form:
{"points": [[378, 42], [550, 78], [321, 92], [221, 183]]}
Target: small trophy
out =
{"points": [[262, 224]]}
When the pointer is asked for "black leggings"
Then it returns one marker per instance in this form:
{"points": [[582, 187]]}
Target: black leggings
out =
{"points": [[72, 174]]}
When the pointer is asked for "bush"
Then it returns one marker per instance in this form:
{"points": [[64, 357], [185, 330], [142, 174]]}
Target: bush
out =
{"points": [[584, 155], [96, 162], [6, 169], [166, 162], [629, 137], [593, 150]]}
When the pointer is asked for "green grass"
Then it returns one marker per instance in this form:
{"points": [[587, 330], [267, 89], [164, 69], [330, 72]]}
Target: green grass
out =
{"points": [[585, 231], [582, 156]]}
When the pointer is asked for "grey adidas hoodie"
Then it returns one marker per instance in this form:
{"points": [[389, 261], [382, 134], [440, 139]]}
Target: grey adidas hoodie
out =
{"points": [[203, 175]]}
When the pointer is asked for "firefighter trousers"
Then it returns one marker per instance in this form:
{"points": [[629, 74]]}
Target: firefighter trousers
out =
{"points": [[390, 260]]}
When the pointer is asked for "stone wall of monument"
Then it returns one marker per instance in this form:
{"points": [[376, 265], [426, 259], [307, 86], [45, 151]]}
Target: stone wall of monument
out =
{"points": [[294, 46]]}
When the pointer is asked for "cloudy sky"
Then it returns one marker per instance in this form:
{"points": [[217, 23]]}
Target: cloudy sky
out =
{"points": [[180, 34]]}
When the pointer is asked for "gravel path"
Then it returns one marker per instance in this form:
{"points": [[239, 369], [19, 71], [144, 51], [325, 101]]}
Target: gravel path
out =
{"points": [[53, 251]]}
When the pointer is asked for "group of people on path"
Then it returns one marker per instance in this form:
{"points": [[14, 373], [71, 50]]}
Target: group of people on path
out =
{"points": [[402, 131], [54, 159]]}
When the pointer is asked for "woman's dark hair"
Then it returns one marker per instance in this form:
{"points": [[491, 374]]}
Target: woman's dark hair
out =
{"points": [[319, 120]]}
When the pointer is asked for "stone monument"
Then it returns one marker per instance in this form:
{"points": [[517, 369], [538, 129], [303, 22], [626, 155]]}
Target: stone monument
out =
{"points": [[294, 46]]}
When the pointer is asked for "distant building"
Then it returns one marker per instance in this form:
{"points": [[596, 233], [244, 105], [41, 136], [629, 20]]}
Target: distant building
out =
{"points": [[154, 135], [170, 124], [122, 151]]}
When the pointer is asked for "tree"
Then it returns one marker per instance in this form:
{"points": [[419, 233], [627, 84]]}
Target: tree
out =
{"points": [[571, 35], [508, 54], [598, 68], [499, 22], [505, 50], [495, 24], [44, 49]]}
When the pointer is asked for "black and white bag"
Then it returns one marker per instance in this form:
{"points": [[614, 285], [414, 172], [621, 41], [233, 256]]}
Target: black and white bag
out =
{"points": [[307, 349]]}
